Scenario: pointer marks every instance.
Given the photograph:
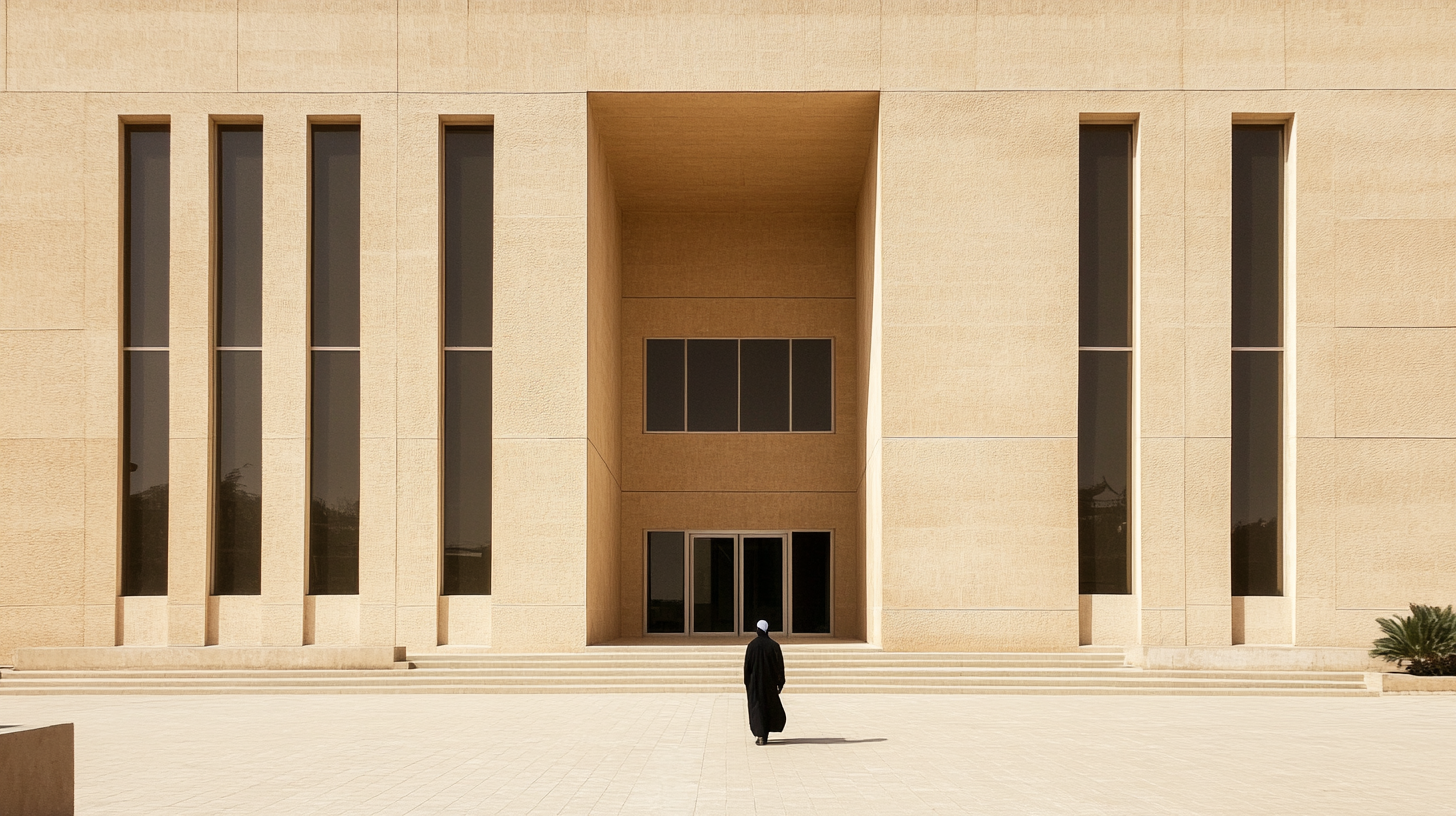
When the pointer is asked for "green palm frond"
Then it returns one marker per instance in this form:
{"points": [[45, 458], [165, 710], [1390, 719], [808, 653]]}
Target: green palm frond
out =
{"points": [[1428, 632]]}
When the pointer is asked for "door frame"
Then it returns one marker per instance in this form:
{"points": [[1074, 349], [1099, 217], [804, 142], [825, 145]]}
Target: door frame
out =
{"points": [[737, 535]]}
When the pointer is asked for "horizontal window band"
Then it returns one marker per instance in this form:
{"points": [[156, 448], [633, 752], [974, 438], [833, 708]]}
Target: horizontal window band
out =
{"points": [[747, 493], [776, 433], [1258, 348], [1104, 348], [977, 609], [145, 348], [333, 348], [239, 348], [467, 348]]}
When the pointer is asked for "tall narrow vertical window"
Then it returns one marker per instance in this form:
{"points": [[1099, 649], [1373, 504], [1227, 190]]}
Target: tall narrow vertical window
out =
{"points": [[146, 239], [1105, 341], [1258, 351], [333, 545], [237, 554], [469, 173]]}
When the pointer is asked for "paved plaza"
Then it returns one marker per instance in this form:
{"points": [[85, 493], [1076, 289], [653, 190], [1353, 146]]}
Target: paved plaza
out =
{"points": [[692, 753]]}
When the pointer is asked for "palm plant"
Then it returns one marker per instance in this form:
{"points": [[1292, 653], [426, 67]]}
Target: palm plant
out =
{"points": [[1427, 636]]}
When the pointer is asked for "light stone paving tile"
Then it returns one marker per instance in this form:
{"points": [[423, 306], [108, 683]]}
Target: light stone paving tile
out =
{"points": [[627, 753]]}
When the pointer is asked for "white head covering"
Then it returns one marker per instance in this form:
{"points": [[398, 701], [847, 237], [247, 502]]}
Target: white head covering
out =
{"points": [[763, 626]]}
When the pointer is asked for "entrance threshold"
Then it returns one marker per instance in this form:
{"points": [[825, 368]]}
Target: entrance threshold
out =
{"points": [[817, 641]]}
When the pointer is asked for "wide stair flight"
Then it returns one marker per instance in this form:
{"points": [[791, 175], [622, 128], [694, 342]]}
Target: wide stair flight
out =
{"points": [[811, 669]]}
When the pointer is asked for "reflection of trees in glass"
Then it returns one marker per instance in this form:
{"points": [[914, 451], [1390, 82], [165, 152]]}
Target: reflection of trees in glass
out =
{"points": [[1255, 557], [334, 548], [144, 571], [469, 571], [1102, 522], [238, 548]]}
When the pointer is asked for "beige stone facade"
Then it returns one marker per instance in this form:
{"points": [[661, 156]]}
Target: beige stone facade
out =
{"points": [[899, 176]]}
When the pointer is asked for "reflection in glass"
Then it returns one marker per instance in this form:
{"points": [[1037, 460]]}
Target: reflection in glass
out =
{"points": [[147, 234], [1105, 234], [811, 580], [665, 591], [813, 385], [467, 488], [333, 562], [1103, 473], [712, 391], [763, 582], [334, 243], [237, 557], [144, 454], [764, 376], [237, 513], [146, 213], [1258, 158], [713, 584], [1255, 483], [240, 235], [469, 220], [665, 385]]}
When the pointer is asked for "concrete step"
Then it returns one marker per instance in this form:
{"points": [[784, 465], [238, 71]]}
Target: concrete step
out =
{"points": [[710, 688], [680, 682], [841, 668], [737, 665], [1127, 677], [736, 659], [658, 673], [951, 675]]}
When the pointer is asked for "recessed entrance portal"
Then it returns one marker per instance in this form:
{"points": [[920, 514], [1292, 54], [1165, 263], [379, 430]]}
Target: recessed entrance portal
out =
{"points": [[713, 583]]}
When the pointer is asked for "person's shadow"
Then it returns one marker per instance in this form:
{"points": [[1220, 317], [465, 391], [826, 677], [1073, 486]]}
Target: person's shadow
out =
{"points": [[822, 741]]}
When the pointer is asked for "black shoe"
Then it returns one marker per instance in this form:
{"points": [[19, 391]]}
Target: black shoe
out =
{"points": [[761, 741]]}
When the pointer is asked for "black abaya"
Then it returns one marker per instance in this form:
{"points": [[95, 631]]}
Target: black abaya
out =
{"points": [[763, 677]]}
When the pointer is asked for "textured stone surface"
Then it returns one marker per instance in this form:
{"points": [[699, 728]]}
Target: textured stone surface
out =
{"points": [[670, 753], [38, 769], [932, 232]]}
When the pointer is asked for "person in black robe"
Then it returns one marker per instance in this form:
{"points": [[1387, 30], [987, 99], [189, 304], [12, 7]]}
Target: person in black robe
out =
{"points": [[763, 677]]}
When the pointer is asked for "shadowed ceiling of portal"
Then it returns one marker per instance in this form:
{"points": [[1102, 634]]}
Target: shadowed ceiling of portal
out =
{"points": [[734, 152]]}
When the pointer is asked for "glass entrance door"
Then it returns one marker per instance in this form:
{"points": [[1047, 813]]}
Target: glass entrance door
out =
{"points": [[737, 580], [714, 598], [762, 582], [725, 583]]}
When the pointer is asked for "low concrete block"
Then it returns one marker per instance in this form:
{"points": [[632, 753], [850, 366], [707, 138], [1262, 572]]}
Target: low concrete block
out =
{"points": [[1402, 683], [37, 770], [1254, 658], [102, 658]]}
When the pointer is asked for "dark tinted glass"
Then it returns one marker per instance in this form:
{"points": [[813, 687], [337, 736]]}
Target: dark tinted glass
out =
{"points": [[333, 546], [763, 582], [1258, 170], [1102, 473], [664, 385], [1255, 484], [813, 385], [334, 235], [764, 403], [713, 584], [712, 385], [665, 608], [144, 454], [467, 493], [240, 235], [811, 583], [469, 211], [237, 555], [1105, 234], [148, 234]]}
